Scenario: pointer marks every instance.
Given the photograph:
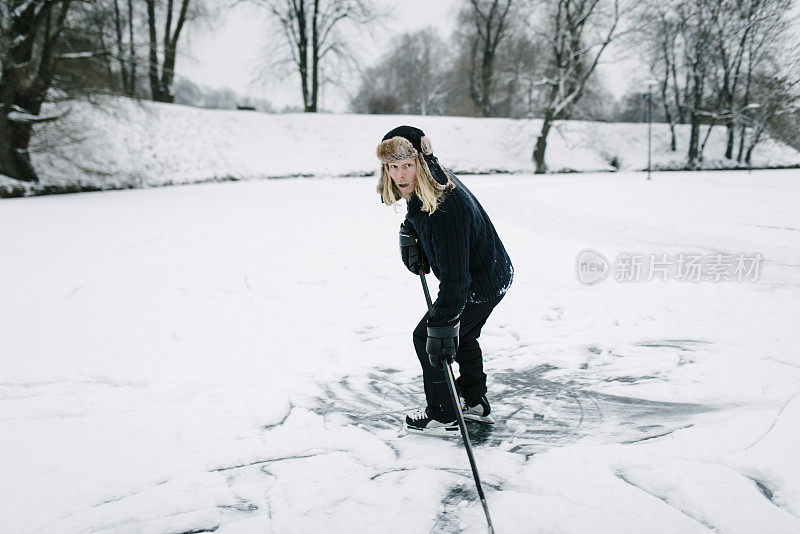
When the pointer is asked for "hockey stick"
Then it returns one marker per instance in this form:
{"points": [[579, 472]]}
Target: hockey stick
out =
{"points": [[451, 385]]}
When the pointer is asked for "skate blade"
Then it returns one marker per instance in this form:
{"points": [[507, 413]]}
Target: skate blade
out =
{"points": [[439, 431], [488, 419]]}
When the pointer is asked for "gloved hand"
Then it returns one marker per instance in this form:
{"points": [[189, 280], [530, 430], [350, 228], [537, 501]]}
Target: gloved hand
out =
{"points": [[442, 341], [411, 249]]}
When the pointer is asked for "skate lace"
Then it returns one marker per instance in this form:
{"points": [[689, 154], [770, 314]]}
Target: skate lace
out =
{"points": [[418, 415]]}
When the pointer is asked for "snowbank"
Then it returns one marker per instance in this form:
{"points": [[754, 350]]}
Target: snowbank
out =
{"points": [[129, 145]]}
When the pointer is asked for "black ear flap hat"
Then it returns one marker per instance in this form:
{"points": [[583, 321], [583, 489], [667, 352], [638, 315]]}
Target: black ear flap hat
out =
{"points": [[405, 142]]}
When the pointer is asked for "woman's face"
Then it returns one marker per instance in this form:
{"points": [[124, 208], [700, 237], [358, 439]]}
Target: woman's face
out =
{"points": [[404, 175]]}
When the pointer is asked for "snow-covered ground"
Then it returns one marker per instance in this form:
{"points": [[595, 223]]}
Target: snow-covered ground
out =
{"points": [[127, 144], [237, 358]]}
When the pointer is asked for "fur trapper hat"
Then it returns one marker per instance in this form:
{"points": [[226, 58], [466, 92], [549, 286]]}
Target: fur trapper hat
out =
{"points": [[405, 142]]}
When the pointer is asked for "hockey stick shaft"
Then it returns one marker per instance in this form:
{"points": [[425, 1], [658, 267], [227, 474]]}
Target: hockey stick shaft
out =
{"points": [[451, 385]]}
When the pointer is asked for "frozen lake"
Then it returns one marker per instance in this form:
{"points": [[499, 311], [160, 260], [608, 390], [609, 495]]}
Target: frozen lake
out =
{"points": [[237, 358]]}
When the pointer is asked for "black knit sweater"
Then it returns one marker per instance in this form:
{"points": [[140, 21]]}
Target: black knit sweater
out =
{"points": [[463, 249]]}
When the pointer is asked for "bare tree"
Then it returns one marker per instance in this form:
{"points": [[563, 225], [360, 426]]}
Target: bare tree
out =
{"points": [[125, 51], [786, 127], [29, 34], [680, 48], [732, 32], [704, 53], [161, 69], [577, 34], [420, 60], [698, 41], [310, 37], [487, 24], [655, 35], [517, 69], [775, 96], [771, 93], [739, 30], [411, 78], [141, 42], [57, 51], [375, 95], [88, 40], [772, 72]]}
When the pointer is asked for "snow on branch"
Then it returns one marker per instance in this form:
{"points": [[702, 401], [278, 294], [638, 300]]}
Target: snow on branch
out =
{"points": [[82, 55], [20, 115]]}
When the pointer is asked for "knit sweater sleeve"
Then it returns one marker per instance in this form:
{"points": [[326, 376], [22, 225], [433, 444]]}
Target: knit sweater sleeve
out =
{"points": [[450, 233]]}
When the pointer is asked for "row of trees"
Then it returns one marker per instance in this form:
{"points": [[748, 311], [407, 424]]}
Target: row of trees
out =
{"points": [[721, 62], [728, 63], [62, 49], [712, 62], [512, 58], [313, 34]]}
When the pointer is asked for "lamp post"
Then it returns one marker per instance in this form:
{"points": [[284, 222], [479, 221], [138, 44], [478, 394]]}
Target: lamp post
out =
{"points": [[748, 109], [650, 84]]}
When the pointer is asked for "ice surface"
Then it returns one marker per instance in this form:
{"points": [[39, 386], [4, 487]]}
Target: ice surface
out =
{"points": [[238, 357]]}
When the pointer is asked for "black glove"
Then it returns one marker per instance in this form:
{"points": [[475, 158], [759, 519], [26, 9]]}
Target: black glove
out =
{"points": [[442, 342], [411, 249]]}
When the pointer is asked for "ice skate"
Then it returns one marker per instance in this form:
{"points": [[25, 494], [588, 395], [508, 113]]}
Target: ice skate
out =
{"points": [[422, 422], [479, 411]]}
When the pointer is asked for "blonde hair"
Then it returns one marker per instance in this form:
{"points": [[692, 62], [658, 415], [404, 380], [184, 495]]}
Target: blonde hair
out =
{"points": [[426, 188]]}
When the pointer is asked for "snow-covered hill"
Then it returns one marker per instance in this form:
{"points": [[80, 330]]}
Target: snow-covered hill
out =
{"points": [[130, 144]]}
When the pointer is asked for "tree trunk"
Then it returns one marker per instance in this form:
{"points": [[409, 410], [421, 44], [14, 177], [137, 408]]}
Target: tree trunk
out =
{"points": [[27, 62], [474, 92], [168, 74], [726, 105], [487, 74], [161, 84], [123, 64], [668, 114], [755, 137], [694, 140], [731, 138], [705, 140], [694, 117], [302, 52], [490, 27], [742, 133], [15, 161], [155, 87], [673, 144], [315, 58], [680, 104], [748, 157], [541, 143], [131, 88]]}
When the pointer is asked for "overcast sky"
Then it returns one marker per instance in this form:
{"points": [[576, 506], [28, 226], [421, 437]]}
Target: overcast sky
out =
{"points": [[227, 51]]}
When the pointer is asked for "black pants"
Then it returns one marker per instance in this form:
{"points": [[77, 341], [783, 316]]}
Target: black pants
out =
{"points": [[472, 381]]}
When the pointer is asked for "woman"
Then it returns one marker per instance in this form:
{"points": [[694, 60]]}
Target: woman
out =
{"points": [[446, 230]]}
